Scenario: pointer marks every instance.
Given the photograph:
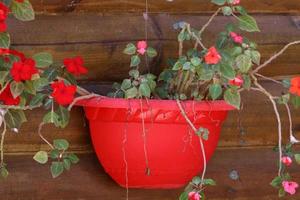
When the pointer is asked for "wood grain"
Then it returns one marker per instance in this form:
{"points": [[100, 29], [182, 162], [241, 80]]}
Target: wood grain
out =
{"points": [[88, 181], [257, 131], [161, 6]]}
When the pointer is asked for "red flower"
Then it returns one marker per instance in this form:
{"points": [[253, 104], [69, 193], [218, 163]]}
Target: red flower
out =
{"points": [[75, 65], [63, 94], [236, 38], [295, 86], [19, 1], [212, 56], [22, 71], [286, 160], [237, 81], [194, 196], [236, 2], [7, 98], [3, 11], [142, 46], [3, 26]]}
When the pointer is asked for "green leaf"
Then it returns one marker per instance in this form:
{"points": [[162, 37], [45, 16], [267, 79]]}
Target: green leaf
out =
{"points": [[22, 11], [37, 99], [284, 99], [151, 52], [145, 90], [248, 23], [196, 180], [281, 193], [227, 71], [51, 117], [4, 40], [40, 83], [73, 158], [276, 182], [241, 10], [61, 144], [296, 101], [16, 88], [57, 169], [227, 10], [209, 182], [126, 84], [15, 118], [196, 61], [186, 66], [130, 49], [215, 90], [232, 97], [4, 172], [131, 93], [134, 73], [177, 66], [247, 82], [64, 116], [135, 61], [41, 157], [29, 87], [243, 62], [184, 196], [3, 76], [255, 56], [54, 154], [297, 158], [50, 73], [67, 163], [219, 2], [43, 60]]}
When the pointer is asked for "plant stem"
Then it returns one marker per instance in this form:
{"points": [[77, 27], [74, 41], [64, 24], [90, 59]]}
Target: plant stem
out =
{"points": [[2, 142], [42, 137], [275, 56], [200, 139], [89, 96], [292, 138], [271, 98]]}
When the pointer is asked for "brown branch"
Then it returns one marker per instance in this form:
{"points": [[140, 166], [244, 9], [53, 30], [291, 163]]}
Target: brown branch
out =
{"points": [[276, 55], [89, 96], [42, 137]]}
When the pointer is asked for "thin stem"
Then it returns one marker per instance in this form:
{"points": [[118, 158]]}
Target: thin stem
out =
{"points": [[271, 98], [2, 141], [42, 137], [20, 107], [144, 138], [89, 96], [293, 140], [200, 140], [276, 55], [268, 78]]}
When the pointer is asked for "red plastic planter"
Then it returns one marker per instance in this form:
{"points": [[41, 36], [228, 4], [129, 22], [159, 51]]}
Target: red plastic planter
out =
{"points": [[171, 147]]}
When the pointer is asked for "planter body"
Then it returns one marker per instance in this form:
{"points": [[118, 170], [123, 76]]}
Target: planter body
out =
{"points": [[167, 143]]}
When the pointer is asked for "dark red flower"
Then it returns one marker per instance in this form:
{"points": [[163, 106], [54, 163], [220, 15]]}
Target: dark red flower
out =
{"points": [[63, 94], [237, 81], [3, 11], [7, 98], [212, 56], [3, 26], [22, 71], [295, 86], [75, 65]]}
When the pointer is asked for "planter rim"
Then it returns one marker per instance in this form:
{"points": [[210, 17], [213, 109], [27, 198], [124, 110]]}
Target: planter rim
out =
{"points": [[106, 102]]}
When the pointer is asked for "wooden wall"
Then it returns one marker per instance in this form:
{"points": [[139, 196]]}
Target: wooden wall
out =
{"points": [[98, 30]]}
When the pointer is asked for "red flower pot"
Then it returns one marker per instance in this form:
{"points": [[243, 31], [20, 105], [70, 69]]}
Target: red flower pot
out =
{"points": [[165, 153]]}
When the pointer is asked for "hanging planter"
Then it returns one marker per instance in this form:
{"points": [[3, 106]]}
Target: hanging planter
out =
{"points": [[148, 144]]}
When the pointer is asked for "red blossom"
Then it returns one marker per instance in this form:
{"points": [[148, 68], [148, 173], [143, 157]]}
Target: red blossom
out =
{"points": [[3, 26], [286, 160], [212, 56], [7, 98], [194, 196], [142, 46], [236, 38], [23, 70], [75, 65], [3, 11], [237, 81], [236, 2], [290, 187], [63, 94], [295, 86]]}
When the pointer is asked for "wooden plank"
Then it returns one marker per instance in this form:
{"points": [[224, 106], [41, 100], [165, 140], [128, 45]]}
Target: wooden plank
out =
{"points": [[106, 62], [257, 132], [161, 6], [98, 29], [93, 184]]}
